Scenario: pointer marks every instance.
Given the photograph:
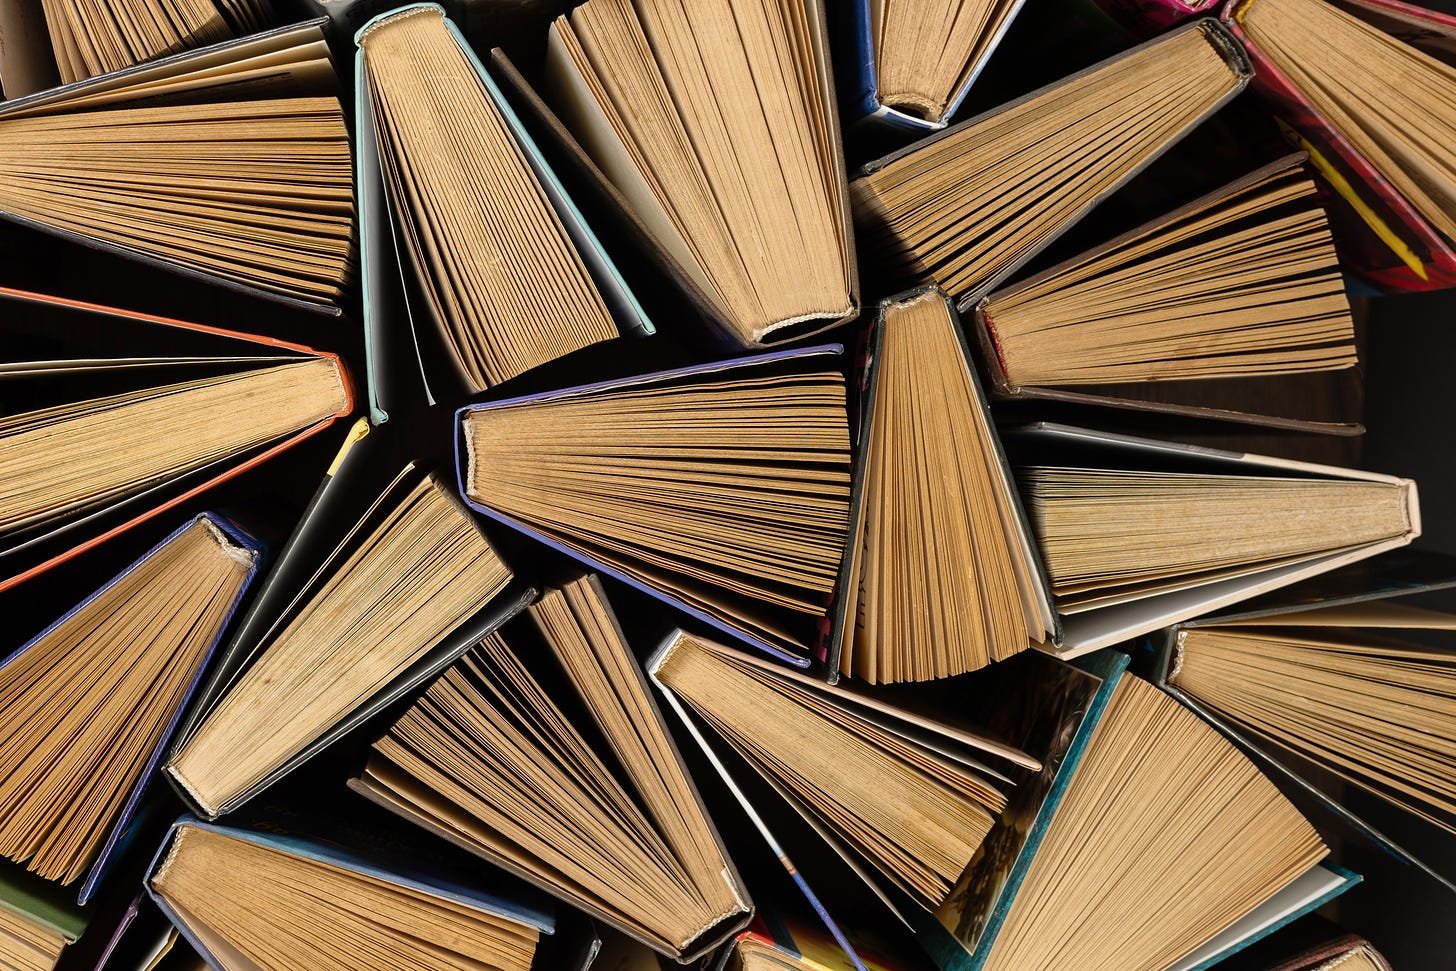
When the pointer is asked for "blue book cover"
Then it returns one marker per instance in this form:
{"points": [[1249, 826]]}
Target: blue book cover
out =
{"points": [[121, 827], [622, 384], [378, 862]]}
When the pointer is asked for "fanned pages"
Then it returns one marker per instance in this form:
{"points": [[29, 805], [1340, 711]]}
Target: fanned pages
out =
{"points": [[502, 277], [916, 816], [1242, 283], [943, 579], [964, 208], [86, 705], [1215, 839], [36, 921], [1137, 534], [491, 759], [257, 901], [1341, 687], [718, 127], [412, 571], [1395, 105], [926, 52], [723, 488], [52, 463], [1113, 535], [246, 393], [232, 162], [70, 40]]}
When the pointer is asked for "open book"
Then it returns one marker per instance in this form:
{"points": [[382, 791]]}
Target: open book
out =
{"points": [[510, 276], [89, 705], [617, 829], [721, 133], [97, 450], [48, 42], [353, 614], [1226, 303], [230, 162], [967, 206]]}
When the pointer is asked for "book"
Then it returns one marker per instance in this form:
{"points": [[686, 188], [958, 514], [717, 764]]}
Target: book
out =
{"points": [[1311, 944], [1227, 856], [618, 829], [785, 945], [1393, 225], [942, 575], [917, 816], [1229, 300], [677, 110], [37, 922], [91, 702], [1384, 126], [508, 271], [55, 41], [248, 898], [967, 206], [1349, 687], [1138, 534], [379, 588], [753, 547], [910, 65], [244, 399], [139, 178]]}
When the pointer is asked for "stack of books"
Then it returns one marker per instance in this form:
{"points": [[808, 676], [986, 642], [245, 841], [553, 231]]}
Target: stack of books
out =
{"points": [[730, 484]]}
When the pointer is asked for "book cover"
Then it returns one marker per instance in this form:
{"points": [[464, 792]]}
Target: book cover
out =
{"points": [[115, 842]]}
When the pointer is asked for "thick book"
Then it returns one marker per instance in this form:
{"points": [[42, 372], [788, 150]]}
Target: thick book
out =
{"points": [[503, 289], [910, 65], [37, 920], [384, 583], [245, 898], [1356, 688], [243, 398], [142, 146], [1394, 227], [90, 706], [47, 42], [753, 548], [967, 206], [1228, 307], [1126, 526], [769, 255], [617, 812], [942, 575]]}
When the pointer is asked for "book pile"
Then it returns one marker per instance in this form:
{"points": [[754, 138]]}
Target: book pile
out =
{"points": [[731, 484]]}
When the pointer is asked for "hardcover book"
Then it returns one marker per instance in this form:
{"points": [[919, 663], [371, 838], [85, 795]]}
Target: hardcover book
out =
{"points": [[1351, 686], [618, 830], [91, 703], [503, 288], [967, 206], [141, 148], [382, 907], [385, 582], [1227, 303], [753, 548]]}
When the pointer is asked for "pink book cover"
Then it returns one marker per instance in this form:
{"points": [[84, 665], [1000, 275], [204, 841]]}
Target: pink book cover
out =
{"points": [[1381, 236]]}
